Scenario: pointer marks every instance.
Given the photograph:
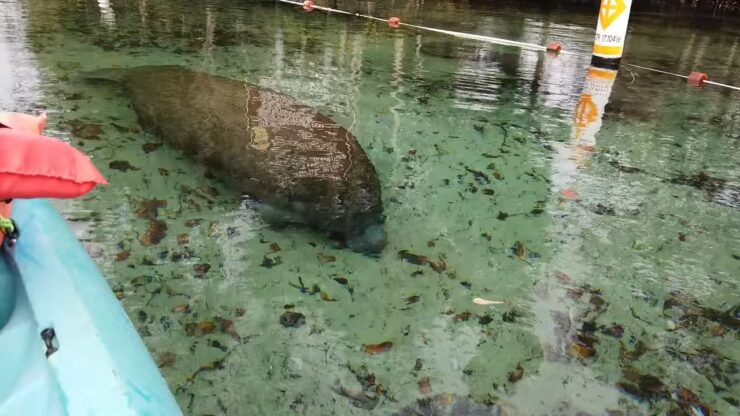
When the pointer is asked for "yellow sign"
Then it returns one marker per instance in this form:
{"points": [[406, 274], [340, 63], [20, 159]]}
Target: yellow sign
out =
{"points": [[610, 11]]}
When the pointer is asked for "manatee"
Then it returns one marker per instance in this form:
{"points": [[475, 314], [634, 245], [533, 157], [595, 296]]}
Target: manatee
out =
{"points": [[300, 165]]}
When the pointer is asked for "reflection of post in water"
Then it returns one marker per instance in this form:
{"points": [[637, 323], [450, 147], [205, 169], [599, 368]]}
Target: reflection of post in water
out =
{"points": [[587, 119], [355, 51], [183, 25], [142, 12], [687, 52], [730, 59], [208, 43], [107, 15], [355, 63], [699, 55], [569, 158], [279, 53], [397, 83], [342, 49], [419, 69], [300, 60], [328, 63], [563, 305], [590, 108], [143, 21]]}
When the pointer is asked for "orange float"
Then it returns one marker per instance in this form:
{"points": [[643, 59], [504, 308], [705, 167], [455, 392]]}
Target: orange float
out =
{"points": [[697, 78], [554, 47]]}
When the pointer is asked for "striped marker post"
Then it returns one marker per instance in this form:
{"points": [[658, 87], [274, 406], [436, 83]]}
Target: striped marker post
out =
{"points": [[611, 31]]}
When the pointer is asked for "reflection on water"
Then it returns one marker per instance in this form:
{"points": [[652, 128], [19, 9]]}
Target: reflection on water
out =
{"points": [[107, 14], [20, 77], [588, 113], [595, 208]]}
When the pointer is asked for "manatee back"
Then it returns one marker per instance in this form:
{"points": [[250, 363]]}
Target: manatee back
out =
{"points": [[268, 144]]}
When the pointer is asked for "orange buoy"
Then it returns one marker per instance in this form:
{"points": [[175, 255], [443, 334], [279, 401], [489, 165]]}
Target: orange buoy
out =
{"points": [[697, 79], [554, 47], [394, 22], [308, 5], [569, 194]]}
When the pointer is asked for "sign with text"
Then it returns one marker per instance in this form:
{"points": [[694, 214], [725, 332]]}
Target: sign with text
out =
{"points": [[612, 28]]}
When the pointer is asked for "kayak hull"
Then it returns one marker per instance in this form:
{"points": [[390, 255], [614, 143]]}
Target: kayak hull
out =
{"points": [[97, 363]]}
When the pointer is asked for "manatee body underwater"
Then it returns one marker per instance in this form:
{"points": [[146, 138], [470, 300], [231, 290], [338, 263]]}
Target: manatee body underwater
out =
{"points": [[304, 167]]}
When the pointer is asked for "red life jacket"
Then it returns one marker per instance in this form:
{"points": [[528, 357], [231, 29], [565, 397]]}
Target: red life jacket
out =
{"points": [[34, 166]]}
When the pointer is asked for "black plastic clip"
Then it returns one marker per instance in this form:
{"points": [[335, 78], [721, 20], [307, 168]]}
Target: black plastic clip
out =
{"points": [[49, 337]]}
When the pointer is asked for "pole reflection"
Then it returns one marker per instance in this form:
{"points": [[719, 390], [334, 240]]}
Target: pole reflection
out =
{"points": [[562, 324], [107, 14]]}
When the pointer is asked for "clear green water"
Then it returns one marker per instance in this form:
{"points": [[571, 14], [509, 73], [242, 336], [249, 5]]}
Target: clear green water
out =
{"points": [[641, 272]]}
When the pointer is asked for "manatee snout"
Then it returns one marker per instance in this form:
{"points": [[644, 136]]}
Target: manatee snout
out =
{"points": [[371, 240], [364, 231]]}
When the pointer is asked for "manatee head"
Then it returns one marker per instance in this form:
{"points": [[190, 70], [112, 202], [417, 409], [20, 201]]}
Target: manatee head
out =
{"points": [[364, 230], [371, 241]]}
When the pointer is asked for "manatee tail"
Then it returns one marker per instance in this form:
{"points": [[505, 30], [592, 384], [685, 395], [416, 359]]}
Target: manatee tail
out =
{"points": [[116, 75]]}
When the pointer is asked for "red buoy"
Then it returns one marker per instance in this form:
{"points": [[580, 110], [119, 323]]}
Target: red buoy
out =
{"points": [[554, 47], [308, 5], [697, 79], [394, 22], [569, 194]]}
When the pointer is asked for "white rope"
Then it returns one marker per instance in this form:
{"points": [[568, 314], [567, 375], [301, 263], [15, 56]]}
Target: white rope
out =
{"points": [[490, 39], [482, 38], [657, 70], [328, 9], [732, 87]]}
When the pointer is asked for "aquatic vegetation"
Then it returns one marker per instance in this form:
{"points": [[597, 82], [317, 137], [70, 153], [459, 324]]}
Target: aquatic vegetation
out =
{"points": [[445, 404], [292, 319], [85, 130], [375, 349], [156, 232], [166, 359], [517, 374], [121, 165]]}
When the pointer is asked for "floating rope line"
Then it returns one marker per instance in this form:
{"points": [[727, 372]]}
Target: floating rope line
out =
{"points": [[489, 39], [309, 5], [719, 84], [706, 81], [658, 71]]}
